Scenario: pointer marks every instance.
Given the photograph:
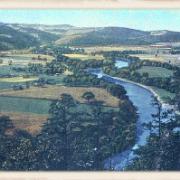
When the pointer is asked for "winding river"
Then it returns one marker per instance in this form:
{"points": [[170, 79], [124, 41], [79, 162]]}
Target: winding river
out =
{"points": [[142, 99]]}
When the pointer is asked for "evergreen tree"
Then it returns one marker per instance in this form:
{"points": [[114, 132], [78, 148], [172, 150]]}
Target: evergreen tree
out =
{"points": [[53, 142], [88, 96], [162, 149]]}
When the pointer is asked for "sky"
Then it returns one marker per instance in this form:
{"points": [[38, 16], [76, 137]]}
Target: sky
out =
{"points": [[136, 19]]}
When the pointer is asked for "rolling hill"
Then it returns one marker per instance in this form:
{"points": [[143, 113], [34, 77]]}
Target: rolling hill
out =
{"points": [[13, 39], [41, 35], [17, 36], [118, 36]]}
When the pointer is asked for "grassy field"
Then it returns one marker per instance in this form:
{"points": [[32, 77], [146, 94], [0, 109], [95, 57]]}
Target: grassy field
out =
{"points": [[6, 85], [18, 79], [156, 71], [54, 92], [151, 57], [16, 104], [27, 121], [84, 57], [113, 48], [174, 59], [25, 59], [33, 122], [67, 38], [30, 55], [164, 95], [4, 70]]}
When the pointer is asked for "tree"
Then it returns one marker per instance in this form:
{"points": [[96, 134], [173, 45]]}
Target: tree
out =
{"points": [[116, 90], [54, 146], [5, 124], [10, 62], [160, 119], [163, 144], [27, 84], [88, 96], [21, 153], [97, 117]]}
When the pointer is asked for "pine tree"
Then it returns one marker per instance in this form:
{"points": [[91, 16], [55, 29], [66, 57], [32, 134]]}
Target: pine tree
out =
{"points": [[163, 145], [54, 145], [97, 117]]}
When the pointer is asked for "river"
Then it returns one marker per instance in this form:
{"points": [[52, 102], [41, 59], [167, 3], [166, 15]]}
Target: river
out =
{"points": [[142, 99]]}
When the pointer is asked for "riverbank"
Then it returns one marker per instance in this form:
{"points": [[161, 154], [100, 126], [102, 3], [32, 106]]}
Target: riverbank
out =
{"points": [[141, 97], [164, 104]]}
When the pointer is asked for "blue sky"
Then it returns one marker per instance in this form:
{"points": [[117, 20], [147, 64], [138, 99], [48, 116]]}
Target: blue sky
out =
{"points": [[137, 19]]}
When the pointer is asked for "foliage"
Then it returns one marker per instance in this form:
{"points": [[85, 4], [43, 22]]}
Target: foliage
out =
{"points": [[88, 96], [71, 139]]}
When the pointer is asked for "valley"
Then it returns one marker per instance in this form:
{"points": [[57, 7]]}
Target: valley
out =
{"points": [[52, 99]]}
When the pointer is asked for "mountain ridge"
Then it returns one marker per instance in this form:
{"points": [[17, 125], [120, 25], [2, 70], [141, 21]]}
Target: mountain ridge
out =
{"points": [[18, 36]]}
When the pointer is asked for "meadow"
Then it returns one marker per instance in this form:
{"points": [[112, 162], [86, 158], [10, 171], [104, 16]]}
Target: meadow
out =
{"points": [[84, 57], [149, 52], [31, 55], [18, 79], [30, 122], [25, 59], [114, 48], [54, 92], [163, 94], [173, 59], [30, 114], [29, 105], [156, 71]]}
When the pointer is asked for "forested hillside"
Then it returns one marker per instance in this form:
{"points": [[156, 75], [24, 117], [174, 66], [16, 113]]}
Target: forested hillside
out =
{"points": [[17, 36]]}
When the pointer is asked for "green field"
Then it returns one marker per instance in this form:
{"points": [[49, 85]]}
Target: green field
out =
{"points": [[155, 71], [31, 114], [54, 92], [25, 59], [8, 85], [18, 79], [15, 104], [4, 70], [84, 57], [115, 48], [174, 59], [30, 56], [31, 105], [163, 94], [57, 79]]}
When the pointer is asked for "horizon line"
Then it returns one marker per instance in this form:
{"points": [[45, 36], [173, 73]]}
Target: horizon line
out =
{"points": [[125, 27]]}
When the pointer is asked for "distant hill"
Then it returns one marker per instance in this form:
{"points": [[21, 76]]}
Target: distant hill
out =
{"points": [[13, 39], [17, 36], [119, 36], [41, 36], [53, 29]]}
